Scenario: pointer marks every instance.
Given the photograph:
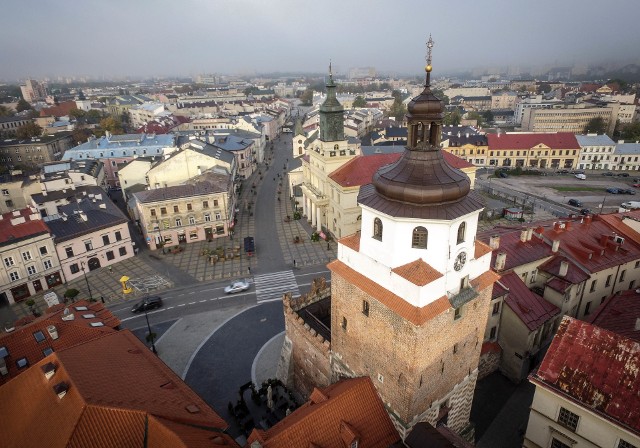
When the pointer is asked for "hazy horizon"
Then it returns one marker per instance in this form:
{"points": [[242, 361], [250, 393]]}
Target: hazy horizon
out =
{"points": [[147, 38]]}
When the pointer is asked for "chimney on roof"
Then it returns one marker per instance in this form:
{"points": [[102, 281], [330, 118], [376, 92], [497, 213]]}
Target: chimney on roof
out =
{"points": [[501, 259], [529, 233], [53, 332], [587, 219], [494, 241], [555, 245], [603, 240], [48, 369], [564, 268], [523, 235]]}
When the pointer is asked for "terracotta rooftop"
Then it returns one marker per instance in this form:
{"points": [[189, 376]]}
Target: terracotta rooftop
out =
{"points": [[557, 140], [517, 251], [574, 275], [619, 314], [32, 341], [530, 308], [351, 241], [108, 392], [359, 170], [595, 368], [417, 272], [12, 233], [481, 249], [335, 416], [397, 304]]}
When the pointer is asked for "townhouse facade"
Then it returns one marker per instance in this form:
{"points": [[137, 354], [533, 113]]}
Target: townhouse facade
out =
{"points": [[596, 152], [626, 156], [34, 151], [28, 254], [532, 150], [9, 125]]}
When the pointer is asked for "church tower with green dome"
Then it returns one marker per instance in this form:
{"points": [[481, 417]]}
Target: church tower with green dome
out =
{"points": [[331, 115]]}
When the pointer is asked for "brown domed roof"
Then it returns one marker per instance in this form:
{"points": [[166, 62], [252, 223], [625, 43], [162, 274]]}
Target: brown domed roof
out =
{"points": [[421, 178], [426, 105]]}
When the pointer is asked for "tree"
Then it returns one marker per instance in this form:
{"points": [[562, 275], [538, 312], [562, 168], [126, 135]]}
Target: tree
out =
{"points": [[80, 135], [544, 87], [631, 132], [473, 115], [22, 105], [595, 125], [29, 130], [5, 111], [81, 95], [398, 109], [359, 102], [453, 118], [307, 97], [487, 116], [112, 125], [78, 114], [93, 116]]}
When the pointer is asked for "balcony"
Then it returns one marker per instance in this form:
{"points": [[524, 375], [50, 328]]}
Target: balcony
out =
{"points": [[465, 295]]}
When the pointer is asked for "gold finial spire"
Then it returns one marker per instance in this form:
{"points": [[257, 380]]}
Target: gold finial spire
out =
{"points": [[330, 71], [428, 67]]}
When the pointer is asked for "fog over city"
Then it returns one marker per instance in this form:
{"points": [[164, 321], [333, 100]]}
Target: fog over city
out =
{"points": [[168, 37]]}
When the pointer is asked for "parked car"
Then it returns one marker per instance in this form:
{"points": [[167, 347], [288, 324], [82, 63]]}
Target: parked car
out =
{"points": [[608, 174], [613, 190], [502, 174], [237, 286], [636, 185], [586, 211], [623, 174], [147, 304], [562, 171], [626, 191], [575, 203], [581, 176]]}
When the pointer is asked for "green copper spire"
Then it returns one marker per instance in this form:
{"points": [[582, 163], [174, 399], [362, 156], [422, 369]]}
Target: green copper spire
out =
{"points": [[331, 114]]}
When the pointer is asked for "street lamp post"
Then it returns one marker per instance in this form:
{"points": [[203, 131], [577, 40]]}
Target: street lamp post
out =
{"points": [[86, 280], [151, 335]]}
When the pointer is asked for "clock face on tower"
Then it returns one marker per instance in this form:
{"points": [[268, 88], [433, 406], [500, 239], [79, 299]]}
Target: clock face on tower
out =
{"points": [[461, 259]]}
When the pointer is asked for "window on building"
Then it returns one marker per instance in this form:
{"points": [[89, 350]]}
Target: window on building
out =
{"points": [[492, 333], [534, 276], [622, 274], [377, 229], [496, 308], [568, 419], [26, 256], [31, 270], [457, 314], [462, 229], [47, 351], [39, 336], [69, 251], [122, 251], [176, 209], [88, 245], [74, 268], [365, 307], [8, 262], [44, 250], [455, 348], [105, 240], [14, 276], [344, 323], [47, 264], [608, 282], [207, 217], [8, 203], [593, 285], [419, 238], [205, 204], [218, 216], [163, 211], [215, 202], [5, 192], [625, 444], [110, 255], [189, 207], [178, 222], [192, 220], [118, 235], [153, 212], [22, 363]]}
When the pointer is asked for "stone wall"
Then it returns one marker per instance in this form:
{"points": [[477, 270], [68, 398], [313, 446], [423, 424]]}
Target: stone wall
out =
{"points": [[489, 359]]}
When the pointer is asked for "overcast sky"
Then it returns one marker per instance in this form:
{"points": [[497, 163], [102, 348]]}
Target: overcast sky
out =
{"points": [[187, 37]]}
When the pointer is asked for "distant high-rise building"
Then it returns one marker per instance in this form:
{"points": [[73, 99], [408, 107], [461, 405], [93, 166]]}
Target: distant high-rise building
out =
{"points": [[362, 72], [33, 91]]}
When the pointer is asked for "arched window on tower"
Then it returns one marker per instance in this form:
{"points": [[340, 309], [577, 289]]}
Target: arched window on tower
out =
{"points": [[419, 239], [433, 138], [462, 230], [377, 229], [336, 147], [419, 132]]}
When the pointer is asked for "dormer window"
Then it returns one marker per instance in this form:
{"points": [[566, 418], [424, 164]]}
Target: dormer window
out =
{"points": [[377, 229], [419, 238], [462, 230]]}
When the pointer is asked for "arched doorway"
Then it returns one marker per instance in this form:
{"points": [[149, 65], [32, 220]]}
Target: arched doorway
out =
{"points": [[94, 263]]}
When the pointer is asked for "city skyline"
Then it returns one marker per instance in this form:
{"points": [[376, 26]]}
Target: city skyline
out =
{"points": [[163, 38]]}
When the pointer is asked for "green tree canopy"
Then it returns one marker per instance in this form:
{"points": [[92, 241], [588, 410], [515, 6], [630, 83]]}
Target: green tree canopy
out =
{"points": [[359, 102], [93, 116], [595, 125], [22, 105], [78, 114], [29, 130], [307, 97], [452, 118], [5, 111], [112, 125], [631, 132]]}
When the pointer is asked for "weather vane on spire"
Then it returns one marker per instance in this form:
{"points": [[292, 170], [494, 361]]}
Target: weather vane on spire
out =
{"points": [[429, 47], [330, 71]]}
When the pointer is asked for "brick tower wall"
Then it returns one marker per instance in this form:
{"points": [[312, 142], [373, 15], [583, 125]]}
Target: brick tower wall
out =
{"points": [[418, 365]]}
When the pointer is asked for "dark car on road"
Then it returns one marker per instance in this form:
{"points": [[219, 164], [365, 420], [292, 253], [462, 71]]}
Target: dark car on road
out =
{"points": [[608, 174], [586, 211], [147, 304], [575, 203], [626, 191], [562, 171], [613, 190], [623, 174]]}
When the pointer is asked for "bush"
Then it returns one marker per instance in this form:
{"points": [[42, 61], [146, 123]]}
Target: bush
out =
{"points": [[297, 215], [30, 302], [315, 236], [71, 293]]}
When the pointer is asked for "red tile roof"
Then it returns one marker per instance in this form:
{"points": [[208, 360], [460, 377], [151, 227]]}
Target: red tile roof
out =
{"points": [[620, 314], [574, 275], [21, 342], [558, 140], [456, 161], [530, 308], [596, 368], [359, 170], [350, 407], [518, 252], [351, 241], [418, 272], [115, 385], [30, 228], [59, 110]]}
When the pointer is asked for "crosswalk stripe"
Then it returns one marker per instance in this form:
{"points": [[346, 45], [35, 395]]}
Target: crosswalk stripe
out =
{"points": [[271, 287]]}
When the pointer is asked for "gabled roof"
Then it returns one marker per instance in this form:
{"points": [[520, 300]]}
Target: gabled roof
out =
{"points": [[594, 140], [620, 314], [359, 170], [31, 227], [214, 184], [21, 342], [595, 368], [530, 308], [517, 251], [557, 140], [574, 273], [116, 393], [334, 417], [418, 272]]}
